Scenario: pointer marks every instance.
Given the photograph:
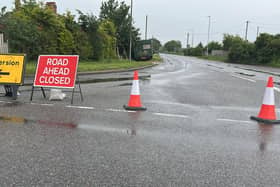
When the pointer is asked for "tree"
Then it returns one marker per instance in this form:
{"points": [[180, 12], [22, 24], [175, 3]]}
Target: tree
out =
{"points": [[90, 24], [34, 29], [82, 47], [264, 48], [17, 4], [230, 40], [156, 45], [196, 51], [118, 13], [107, 31], [240, 50], [214, 46], [173, 46]]}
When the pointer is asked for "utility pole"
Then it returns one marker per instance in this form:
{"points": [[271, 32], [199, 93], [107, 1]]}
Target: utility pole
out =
{"points": [[258, 31], [192, 37], [146, 28], [130, 35], [188, 37], [246, 32], [209, 24]]}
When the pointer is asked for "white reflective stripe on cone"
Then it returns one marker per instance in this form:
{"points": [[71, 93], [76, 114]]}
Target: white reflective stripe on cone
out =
{"points": [[268, 98], [135, 88]]}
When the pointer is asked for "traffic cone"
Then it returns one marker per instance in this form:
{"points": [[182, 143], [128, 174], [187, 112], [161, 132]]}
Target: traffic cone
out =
{"points": [[135, 98], [267, 113]]}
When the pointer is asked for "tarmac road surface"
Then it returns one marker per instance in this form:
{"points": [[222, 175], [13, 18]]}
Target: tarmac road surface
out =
{"points": [[196, 132]]}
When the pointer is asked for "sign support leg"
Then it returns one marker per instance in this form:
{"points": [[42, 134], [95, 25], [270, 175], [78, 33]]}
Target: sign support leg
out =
{"points": [[14, 89], [32, 91], [43, 91], [72, 96], [82, 98]]}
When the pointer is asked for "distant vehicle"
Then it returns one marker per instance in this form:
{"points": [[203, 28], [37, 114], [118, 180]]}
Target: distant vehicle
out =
{"points": [[143, 50]]}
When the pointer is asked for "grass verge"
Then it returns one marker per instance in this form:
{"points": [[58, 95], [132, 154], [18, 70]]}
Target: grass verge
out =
{"points": [[88, 66], [215, 58]]}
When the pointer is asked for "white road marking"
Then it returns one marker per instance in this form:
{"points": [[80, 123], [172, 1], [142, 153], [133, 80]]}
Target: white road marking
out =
{"points": [[9, 102], [42, 104], [171, 115], [81, 107], [243, 78], [119, 110], [236, 121], [277, 89]]}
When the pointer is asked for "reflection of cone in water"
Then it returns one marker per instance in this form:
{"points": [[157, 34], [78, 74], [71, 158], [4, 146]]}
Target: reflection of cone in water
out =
{"points": [[265, 135], [135, 98], [267, 113]]}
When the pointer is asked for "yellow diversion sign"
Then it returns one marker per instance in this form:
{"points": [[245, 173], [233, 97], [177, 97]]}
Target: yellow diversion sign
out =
{"points": [[12, 69]]}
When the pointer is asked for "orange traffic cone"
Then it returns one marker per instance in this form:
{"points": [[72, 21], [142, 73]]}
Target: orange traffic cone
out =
{"points": [[267, 113], [135, 98]]}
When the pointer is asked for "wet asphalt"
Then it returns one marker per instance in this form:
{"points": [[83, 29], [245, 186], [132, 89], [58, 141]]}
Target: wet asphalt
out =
{"points": [[196, 131]]}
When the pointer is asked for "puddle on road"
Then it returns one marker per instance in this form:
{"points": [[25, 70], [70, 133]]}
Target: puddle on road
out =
{"points": [[215, 66], [58, 124], [126, 84], [131, 130], [21, 120], [18, 120], [245, 74]]}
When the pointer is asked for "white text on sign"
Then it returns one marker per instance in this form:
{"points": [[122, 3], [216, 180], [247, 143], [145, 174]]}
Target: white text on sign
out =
{"points": [[62, 71]]}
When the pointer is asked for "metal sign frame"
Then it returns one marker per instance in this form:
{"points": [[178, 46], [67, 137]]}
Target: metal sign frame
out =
{"points": [[73, 91], [76, 72]]}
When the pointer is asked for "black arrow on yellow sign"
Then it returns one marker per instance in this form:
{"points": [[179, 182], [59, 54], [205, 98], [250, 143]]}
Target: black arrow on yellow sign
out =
{"points": [[4, 73]]}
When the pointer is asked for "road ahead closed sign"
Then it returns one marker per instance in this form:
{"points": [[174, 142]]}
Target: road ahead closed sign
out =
{"points": [[11, 69], [56, 71]]}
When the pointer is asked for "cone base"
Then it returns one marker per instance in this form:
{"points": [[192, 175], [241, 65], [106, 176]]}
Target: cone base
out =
{"points": [[265, 121], [134, 108]]}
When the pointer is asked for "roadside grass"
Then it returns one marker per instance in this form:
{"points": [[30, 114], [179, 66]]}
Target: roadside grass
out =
{"points": [[274, 64], [114, 64], [215, 58], [156, 58]]}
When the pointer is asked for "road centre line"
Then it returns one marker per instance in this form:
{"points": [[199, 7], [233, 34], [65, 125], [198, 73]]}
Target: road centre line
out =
{"points": [[243, 78], [42, 104], [119, 110], [171, 115], [80, 107], [236, 121]]}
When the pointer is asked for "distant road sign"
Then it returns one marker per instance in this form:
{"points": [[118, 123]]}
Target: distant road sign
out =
{"points": [[56, 71], [12, 68]]}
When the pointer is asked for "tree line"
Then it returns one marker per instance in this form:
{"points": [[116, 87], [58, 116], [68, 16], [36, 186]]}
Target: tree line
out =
{"points": [[266, 49], [34, 28]]}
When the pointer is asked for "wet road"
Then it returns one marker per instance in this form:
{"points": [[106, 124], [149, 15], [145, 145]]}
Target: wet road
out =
{"points": [[196, 132]]}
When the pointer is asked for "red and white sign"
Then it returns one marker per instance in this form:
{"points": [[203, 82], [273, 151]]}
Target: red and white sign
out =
{"points": [[56, 71]]}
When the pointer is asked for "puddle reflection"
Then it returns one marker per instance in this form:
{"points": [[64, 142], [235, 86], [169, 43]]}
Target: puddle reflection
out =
{"points": [[265, 133], [134, 116], [18, 120], [51, 123], [145, 81]]}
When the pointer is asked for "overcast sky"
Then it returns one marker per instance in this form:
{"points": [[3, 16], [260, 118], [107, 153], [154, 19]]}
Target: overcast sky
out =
{"points": [[172, 19]]}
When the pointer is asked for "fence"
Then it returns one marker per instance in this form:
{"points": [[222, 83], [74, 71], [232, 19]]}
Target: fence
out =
{"points": [[3, 45]]}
